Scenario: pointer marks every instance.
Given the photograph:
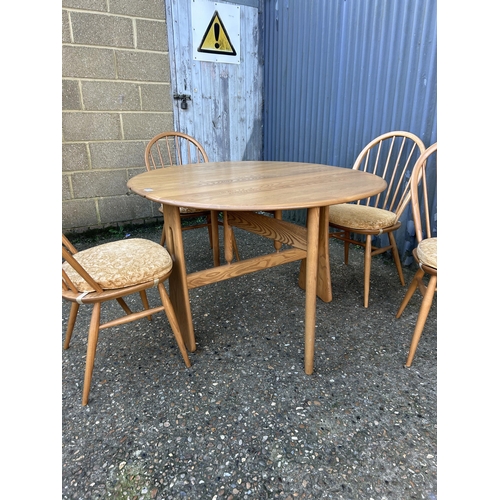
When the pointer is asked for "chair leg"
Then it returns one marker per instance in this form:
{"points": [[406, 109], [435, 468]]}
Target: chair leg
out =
{"points": [[368, 268], [209, 227], [163, 238], [346, 248], [71, 323], [422, 317], [278, 215], [411, 290], [145, 302], [91, 350], [172, 318], [233, 249], [395, 256], [235, 246], [124, 305]]}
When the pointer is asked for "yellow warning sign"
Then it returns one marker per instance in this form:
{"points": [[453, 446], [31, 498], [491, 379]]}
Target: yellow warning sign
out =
{"points": [[216, 40]]}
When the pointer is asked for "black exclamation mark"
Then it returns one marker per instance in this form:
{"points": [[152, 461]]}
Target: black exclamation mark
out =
{"points": [[216, 32]]}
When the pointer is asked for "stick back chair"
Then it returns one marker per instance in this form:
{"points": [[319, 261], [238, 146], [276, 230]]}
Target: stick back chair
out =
{"points": [[112, 271], [425, 253], [391, 156], [176, 148]]}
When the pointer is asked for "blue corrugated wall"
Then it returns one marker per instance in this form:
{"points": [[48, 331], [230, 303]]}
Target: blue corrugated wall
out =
{"points": [[338, 73]]}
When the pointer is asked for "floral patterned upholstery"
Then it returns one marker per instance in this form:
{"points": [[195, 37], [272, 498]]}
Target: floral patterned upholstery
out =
{"points": [[188, 210], [120, 264], [361, 216], [427, 252], [185, 210]]}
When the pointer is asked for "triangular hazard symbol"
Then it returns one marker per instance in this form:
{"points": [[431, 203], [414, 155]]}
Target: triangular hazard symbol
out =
{"points": [[216, 40]]}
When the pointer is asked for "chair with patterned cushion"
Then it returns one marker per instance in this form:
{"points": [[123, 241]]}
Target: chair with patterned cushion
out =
{"points": [[392, 157], [112, 271], [176, 148], [423, 178]]}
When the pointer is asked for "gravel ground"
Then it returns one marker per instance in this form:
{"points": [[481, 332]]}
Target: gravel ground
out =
{"points": [[245, 422]]}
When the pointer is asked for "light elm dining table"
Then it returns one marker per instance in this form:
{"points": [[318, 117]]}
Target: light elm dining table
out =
{"points": [[252, 195]]}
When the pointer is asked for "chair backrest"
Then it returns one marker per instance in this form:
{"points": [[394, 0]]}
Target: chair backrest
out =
{"points": [[391, 156], [173, 148], [423, 180], [68, 250]]}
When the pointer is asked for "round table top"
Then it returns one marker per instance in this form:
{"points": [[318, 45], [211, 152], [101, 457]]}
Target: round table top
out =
{"points": [[255, 185]]}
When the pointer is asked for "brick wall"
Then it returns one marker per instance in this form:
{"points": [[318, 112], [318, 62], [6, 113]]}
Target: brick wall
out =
{"points": [[115, 97]]}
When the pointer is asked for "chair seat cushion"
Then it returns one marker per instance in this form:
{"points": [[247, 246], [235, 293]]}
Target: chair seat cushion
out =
{"points": [[361, 216], [120, 264], [185, 210], [427, 252]]}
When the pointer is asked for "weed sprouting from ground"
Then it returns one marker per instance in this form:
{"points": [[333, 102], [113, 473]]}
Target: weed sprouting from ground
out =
{"points": [[129, 482]]}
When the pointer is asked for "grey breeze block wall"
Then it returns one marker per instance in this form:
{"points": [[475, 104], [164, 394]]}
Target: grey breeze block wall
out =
{"points": [[115, 97]]}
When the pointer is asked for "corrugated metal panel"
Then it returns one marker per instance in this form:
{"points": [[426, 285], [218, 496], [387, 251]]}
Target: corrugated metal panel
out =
{"points": [[339, 73]]}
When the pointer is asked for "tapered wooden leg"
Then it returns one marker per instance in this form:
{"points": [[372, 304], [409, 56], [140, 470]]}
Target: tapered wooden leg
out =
{"points": [[278, 215], [324, 283], [169, 311], [71, 323], [162, 238], [228, 240], [395, 256], [422, 317], [235, 246], [91, 349], [324, 279], [311, 283], [124, 305], [178, 287], [209, 227], [145, 303], [214, 231], [368, 268], [346, 248], [411, 290]]}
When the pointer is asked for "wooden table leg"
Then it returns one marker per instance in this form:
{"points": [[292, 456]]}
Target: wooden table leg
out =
{"points": [[324, 285], [178, 288], [313, 220], [324, 282]]}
